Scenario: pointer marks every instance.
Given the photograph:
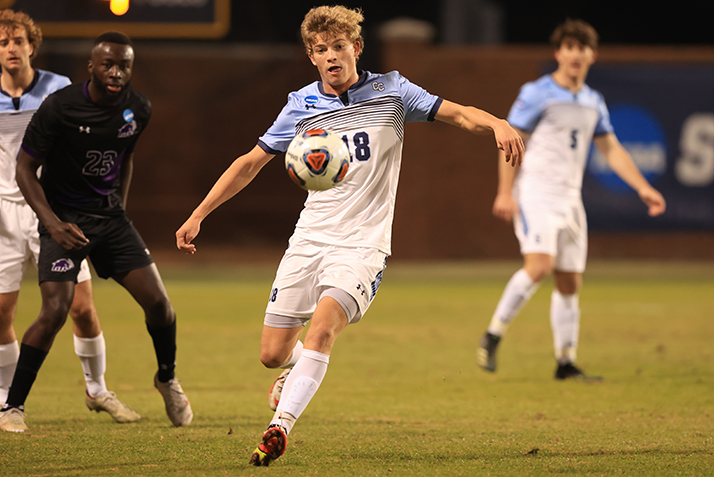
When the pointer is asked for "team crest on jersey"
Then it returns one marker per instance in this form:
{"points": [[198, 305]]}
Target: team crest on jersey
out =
{"points": [[128, 129], [62, 265], [128, 115]]}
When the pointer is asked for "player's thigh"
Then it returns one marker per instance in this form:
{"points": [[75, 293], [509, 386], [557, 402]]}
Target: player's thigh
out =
{"points": [[356, 270], [537, 227], [146, 287], [17, 224], [294, 292], [573, 243], [119, 248]]}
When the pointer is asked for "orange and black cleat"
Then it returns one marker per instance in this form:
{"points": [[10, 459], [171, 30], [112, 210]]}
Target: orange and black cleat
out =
{"points": [[273, 445]]}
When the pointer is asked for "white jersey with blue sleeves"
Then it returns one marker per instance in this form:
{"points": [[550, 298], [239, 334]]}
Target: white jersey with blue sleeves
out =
{"points": [[15, 115], [370, 118], [562, 125]]}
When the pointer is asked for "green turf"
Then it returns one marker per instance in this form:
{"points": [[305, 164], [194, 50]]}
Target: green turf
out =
{"points": [[402, 395]]}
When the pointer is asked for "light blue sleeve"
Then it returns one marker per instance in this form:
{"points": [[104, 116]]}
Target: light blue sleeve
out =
{"points": [[278, 136], [526, 110], [604, 125], [58, 82], [419, 104]]}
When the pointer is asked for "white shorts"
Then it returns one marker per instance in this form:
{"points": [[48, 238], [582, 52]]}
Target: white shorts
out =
{"points": [[20, 244], [308, 268], [560, 231]]}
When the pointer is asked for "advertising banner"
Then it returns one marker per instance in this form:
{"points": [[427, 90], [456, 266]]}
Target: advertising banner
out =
{"points": [[664, 117]]}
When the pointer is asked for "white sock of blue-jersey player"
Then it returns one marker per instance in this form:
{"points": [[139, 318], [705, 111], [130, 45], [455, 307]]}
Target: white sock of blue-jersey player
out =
{"points": [[565, 323], [300, 387]]}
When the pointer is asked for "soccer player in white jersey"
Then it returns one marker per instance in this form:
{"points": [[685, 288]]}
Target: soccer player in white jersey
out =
{"points": [[559, 117], [333, 266], [23, 89]]}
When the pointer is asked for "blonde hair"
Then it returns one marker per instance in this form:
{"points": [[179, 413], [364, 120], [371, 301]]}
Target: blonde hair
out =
{"points": [[11, 21], [333, 21]]}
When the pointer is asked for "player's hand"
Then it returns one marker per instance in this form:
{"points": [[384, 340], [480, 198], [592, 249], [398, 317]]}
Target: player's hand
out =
{"points": [[510, 142], [504, 207], [654, 201], [185, 235], [68, 236]]}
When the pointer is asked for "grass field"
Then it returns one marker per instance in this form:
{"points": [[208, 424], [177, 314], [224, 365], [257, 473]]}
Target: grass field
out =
{"points": [[402, 395]]}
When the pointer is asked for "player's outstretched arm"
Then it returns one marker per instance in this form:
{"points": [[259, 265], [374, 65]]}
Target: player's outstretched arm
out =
{"points": [[232, 181], [621, 163], [478, 121], [69, 236], [504, 205]]}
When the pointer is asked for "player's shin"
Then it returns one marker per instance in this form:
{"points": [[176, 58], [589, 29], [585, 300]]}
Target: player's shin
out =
{"points": [[518, 291], [9, 353], [300, 387], [28, 365], [164, 339], [565, 323], [92, 354]]}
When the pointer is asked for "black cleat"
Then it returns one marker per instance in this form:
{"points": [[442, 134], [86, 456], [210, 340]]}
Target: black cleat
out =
{"points": [[486, 353], [570, 371]]}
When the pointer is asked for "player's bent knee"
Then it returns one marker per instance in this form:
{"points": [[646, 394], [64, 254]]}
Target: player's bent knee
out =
{"points": [[160, 313], [272, 360], [52, 320]]}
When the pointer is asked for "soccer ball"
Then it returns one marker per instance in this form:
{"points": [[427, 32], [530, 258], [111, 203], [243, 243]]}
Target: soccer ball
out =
{"points": [[317, 159]]}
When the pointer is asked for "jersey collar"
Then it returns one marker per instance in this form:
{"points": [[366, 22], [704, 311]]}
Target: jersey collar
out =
{"points": [[16, 100], [362, 79]]}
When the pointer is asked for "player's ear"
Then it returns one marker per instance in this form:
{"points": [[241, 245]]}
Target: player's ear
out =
{"points": [[358, 49], [90, 66]]}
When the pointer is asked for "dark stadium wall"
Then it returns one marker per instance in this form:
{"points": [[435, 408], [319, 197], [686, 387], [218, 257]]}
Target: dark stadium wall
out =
{"points": [[212, 102]]}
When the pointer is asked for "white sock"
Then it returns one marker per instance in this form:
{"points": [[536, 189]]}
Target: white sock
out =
{"points": [[9, 354], [92, 354], [297, 352], [300, 387], [565, 323], [518, 291]]}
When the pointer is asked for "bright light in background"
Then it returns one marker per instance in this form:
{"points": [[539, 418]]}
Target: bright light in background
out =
{"points": [[119, 7]]}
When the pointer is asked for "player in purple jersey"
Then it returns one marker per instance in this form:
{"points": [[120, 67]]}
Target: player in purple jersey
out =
{"points": [[333, 268], [83, 137], [23, 88], [560, 117]]}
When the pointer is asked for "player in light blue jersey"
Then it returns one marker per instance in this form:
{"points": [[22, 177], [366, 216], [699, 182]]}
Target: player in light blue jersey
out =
{"points": [[559, 117], [333, 266], [22, 90]]}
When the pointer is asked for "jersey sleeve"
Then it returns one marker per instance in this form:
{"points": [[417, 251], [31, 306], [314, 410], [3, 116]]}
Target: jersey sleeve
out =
{"points": [[42, 131], [527, 108], [419, 104], [604, 125], [278, 136]]}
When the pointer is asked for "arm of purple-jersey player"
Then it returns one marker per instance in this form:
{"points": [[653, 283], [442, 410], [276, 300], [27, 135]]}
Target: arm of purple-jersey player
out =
{"points": [[478, 121], [238, 175], [125, 175], [621, 163], [68, 235]]}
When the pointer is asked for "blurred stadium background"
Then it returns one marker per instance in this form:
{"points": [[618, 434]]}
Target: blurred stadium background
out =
{"points": [[218, 72]]}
